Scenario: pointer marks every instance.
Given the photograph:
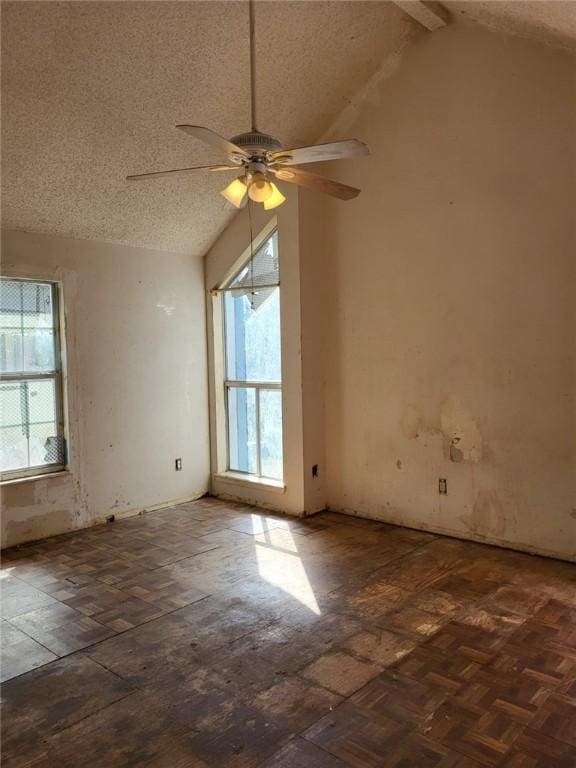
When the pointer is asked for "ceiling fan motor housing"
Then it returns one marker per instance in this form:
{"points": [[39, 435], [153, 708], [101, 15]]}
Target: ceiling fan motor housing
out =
{"points": [[257, 143]]}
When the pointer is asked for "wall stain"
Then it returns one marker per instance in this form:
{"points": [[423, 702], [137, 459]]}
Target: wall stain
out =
{"points": [[411, 422], [39, 526], [487, 516], [19, 495], [456, 455], [462, 438], [461, 430]]}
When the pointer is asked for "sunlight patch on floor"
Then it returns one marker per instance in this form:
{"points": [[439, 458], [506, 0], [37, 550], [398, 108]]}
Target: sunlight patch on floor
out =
{"points": [[280, 565], [278, 539], [261, 524]]}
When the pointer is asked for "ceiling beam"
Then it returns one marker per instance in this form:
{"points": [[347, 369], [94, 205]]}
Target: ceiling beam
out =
{"points": [[430, 15]]}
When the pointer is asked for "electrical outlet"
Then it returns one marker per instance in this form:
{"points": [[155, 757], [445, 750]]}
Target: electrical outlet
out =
{"points": [[442, 485], [178, 465]]}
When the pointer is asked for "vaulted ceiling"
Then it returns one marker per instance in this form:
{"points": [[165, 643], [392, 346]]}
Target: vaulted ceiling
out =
{"points": [[92, 90]]}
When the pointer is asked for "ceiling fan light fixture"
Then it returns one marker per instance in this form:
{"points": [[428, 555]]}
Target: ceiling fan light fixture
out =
{"points": [[275, 199], [235, 192], [260, 189]]}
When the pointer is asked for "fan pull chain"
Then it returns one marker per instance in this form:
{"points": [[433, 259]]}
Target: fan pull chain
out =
{"points": [[252, 291]]}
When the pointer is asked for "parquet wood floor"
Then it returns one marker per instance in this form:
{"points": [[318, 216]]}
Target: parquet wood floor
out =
{"points": [[211, 635]]}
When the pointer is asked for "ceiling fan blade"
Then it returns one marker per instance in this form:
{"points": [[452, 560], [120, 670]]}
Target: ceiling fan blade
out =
{"points": [[314, 181], [157, 174], [215, 140], [336, 150]]}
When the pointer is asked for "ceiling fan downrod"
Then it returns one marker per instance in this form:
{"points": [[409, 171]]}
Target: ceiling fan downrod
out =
{"points": [[252, 36]]}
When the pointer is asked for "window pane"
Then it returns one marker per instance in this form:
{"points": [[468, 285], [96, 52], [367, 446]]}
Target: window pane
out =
{"points": [[13, 448], [242, 429], [41, 404], [253, 335], [38, 351], [26, 327], [45, 447], [31, 351], [13, 434], [28, 425], [271, 433], [10, 350], [37, 305], [25, 303], [262, 269]]}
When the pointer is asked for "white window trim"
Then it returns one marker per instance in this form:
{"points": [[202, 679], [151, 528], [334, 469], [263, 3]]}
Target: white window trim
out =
{"points": [[251, 481], [33, 478]]}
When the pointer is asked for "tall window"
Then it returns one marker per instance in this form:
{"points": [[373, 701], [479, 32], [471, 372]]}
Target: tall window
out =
{"points": [[31, 412], [253, 385]]}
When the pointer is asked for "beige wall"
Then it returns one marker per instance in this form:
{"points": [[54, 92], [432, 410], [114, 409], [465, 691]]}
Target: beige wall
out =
{"points": [[428, 327], [137, 386], [314, 260], [451, 310]]}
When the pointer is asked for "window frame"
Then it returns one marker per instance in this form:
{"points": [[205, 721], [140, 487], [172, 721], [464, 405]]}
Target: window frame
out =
{"points": [[257, 386], [57, 376]]}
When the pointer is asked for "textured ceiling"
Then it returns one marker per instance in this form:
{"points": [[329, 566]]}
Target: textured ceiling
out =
{"points": [[547, 21], [92, 91]]}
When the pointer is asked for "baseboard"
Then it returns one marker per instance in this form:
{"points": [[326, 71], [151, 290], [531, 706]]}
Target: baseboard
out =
{"points": [[478, 538]]}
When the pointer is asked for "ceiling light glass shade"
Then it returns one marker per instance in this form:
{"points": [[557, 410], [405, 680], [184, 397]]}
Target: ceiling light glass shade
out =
{"points": [[275, 199], [235, 192], [260, 189]]}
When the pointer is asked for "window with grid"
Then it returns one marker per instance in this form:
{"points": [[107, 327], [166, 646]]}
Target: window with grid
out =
{"points": [[31, 410], [253, 385]]}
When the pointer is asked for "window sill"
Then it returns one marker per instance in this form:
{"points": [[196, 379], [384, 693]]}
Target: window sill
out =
{"points": [[251, 481], [33, 478]]}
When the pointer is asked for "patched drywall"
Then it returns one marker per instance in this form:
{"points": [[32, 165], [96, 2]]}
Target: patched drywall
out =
{"points": [[450, 312], [461, 431], [136, 383]]}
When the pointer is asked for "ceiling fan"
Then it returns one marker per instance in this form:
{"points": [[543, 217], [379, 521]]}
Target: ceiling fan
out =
{"points": [[260, 157]]}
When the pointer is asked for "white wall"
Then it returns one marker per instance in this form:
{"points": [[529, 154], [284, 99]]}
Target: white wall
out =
{"points": [[451, 307], [137, 383]]}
